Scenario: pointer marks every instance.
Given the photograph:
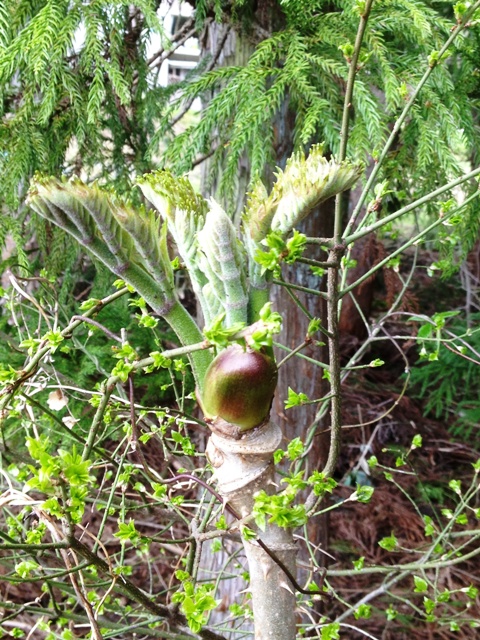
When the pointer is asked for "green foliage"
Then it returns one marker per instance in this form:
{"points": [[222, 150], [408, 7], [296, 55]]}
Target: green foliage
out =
{"points": [[278, 509], [82, 359], [124, 238], [389, 543], [305, 61], [280, 251], [76, 92], [295, 449], [220, 335], [25, 568], [363, 611], [300, 187], [128, 533], [195, 601], [449, 382], [66, 474], [362, 494], [331, 631], [89, 88], [92, 106], [321, 484], [295, 399]]}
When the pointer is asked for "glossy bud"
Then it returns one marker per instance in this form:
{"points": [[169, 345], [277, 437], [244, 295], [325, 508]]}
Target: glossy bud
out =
{"points": [[239, 387]]}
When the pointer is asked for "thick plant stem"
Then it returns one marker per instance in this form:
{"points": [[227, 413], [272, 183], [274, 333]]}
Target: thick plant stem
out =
{"points": [[273, 597], [243, 467], [258, 297], [188, 333]]}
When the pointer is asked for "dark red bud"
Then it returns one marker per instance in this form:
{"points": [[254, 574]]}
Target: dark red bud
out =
{"points": [[239, 387]]}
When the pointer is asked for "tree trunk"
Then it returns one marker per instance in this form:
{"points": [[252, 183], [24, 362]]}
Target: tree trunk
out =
{"points": [[243, 467], [300, 374]]}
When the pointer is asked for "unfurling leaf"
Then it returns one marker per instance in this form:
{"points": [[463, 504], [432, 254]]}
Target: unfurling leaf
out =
{"points": [[421, 585], [184, 212], [129, 241], [304, 184], [180, 206], [222, 259]]}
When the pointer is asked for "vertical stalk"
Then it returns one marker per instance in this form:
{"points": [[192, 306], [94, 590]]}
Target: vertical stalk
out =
{"points": [[352, 72], [347, 107], [188, 333], [335, 256], [334, 359], [243, 467]]}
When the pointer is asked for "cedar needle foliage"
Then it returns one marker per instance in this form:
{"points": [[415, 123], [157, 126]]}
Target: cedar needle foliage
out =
{"points": [[80, 93]]}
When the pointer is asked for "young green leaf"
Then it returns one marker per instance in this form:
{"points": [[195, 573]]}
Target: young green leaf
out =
{"points": [[421, 585]]}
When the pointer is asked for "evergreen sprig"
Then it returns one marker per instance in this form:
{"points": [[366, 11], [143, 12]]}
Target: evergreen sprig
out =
{"points": [[80, 92], [302, 69]]}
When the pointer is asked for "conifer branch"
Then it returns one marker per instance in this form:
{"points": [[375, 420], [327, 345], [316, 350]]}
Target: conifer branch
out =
{"points": [[401, 119]]}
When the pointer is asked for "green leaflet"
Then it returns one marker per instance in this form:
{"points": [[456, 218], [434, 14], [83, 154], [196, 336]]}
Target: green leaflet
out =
{"points": [[303, 185], [259, 212], [212, 302], [99, 206], [48, 198], [130, 242]]}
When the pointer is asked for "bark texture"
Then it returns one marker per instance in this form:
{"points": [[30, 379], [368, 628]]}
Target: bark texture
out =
{"points": [[243, 467]]}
